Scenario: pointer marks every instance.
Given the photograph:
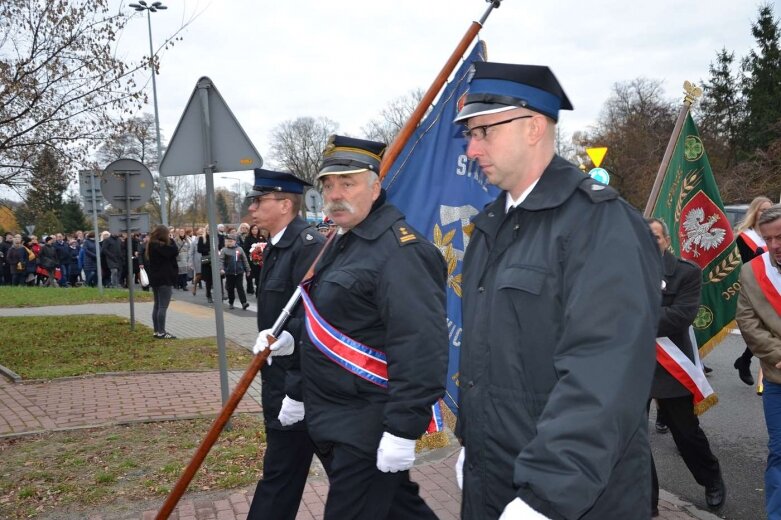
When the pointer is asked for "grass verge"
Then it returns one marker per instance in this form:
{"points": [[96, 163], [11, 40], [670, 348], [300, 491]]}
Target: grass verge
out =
{"points": [[87, 469], [11, 296], [48, 347]]}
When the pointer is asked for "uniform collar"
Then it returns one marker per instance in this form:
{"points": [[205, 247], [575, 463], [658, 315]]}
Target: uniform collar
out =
{"points": [[669, 261], [293, 229], [378, 221]]}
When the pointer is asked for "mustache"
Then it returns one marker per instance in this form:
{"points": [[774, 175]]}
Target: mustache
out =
{"points": [[338, 206]]}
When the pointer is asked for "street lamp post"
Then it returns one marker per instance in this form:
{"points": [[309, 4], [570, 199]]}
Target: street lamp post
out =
{"points": [[156, 6]]}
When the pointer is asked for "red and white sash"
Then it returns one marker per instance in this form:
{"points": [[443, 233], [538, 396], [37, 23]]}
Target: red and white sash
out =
{"points": [[686, 372], [753, 239], [769, 279]]}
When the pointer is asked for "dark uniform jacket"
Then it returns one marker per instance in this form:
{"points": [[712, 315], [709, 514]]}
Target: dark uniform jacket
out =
{"points": [[284, 266], [382, 284], [560, 305], [680, 302]]}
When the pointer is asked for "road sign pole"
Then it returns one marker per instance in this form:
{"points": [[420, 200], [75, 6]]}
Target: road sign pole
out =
{"points": [[203, 91], [95, 224], [129, 247]]}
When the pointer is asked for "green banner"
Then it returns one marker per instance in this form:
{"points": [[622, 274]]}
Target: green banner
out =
{"points": [[690, 204]]}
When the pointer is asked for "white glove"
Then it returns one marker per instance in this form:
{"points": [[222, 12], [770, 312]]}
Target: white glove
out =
{"points": [[520, 510], [460, 468], [395, 454], [292, 411], [283, 346]]}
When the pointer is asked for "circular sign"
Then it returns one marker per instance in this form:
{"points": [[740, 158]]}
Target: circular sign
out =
{"points": [[600, 175], [138, 187], [313, 201]]}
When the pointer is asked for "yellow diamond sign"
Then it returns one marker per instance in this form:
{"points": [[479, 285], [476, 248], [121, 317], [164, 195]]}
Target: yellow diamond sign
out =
{"points": [[596, 154]]}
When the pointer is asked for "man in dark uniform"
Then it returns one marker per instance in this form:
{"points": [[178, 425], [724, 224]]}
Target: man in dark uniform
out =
{"points": [[293, 246], [370, 383], [560, 304], [680, 302]]}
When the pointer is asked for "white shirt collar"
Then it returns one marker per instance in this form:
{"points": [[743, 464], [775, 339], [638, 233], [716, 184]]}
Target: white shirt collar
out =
{"points": [[276, 238], [513, 203]]}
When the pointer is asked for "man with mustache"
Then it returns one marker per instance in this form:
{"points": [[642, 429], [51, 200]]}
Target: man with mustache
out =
{"points": [[375, 357], [560, 304]]}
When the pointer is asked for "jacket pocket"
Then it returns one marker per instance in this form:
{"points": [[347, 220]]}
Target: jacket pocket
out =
{"points": [[276, 284], [525, 278], [342, 278]]}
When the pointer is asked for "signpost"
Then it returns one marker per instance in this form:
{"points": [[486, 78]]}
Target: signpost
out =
{"points": [[597, 173], [127, 184], [209, 139], [93, 202]]}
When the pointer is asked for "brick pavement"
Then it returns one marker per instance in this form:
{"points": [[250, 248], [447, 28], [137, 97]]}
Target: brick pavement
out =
{"points": [[115, 398]]}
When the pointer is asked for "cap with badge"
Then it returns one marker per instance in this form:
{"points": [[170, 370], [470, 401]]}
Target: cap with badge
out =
{"points": [[345, 155], [268, 181], [497, 87]]}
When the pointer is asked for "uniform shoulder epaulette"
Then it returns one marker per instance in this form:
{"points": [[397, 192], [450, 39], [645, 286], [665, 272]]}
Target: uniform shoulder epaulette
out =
{"points": [[597, 191], [309, 236], [404, 233], [686, 261]]}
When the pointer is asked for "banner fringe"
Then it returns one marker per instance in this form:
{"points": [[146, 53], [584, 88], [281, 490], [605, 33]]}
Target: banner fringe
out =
{"points": [[706, 404], [717, 338]]}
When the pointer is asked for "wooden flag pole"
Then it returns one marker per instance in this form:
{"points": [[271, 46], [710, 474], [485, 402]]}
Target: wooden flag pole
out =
{"points": [[405, 133], [692, 93]]}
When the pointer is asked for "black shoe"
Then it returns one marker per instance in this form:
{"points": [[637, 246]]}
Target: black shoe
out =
{"points": [[209, 300], [166, 335], [654, 512], [744, 371], [245, 306], [707, 369], [716, 494], [230, 306], [661, 427]]}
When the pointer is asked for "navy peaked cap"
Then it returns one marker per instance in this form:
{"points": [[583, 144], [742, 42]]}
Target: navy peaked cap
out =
{"points": [[281, 182], [496, 87], [343, 155]]}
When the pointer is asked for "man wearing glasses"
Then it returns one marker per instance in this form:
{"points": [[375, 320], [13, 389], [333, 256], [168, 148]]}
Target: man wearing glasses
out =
{"points": [[293, 246], [561, 299]]}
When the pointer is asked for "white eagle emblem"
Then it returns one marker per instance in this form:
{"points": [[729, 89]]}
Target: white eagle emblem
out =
{"points": [[701, 234]]}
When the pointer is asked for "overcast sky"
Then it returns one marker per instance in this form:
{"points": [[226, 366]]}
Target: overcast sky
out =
{"points": [[273, 60]]}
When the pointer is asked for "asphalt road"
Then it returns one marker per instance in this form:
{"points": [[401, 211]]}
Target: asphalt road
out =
{"points": [[736, 430]]}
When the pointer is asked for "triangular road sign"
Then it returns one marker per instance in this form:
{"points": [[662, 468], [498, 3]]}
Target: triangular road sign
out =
{"points": [[596, 154], [231, 149]]}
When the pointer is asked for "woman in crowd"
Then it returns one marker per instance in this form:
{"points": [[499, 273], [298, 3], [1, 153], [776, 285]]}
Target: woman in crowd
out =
{"points": [[253, 236], [195, 259], [17, 260], [182, 258], [160, 265], [750, 245], [204, 248]]}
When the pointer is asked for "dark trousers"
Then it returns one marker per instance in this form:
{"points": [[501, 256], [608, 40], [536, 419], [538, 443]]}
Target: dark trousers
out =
{"points": [[235, 283], [285, 469], [359, 491], [206, 276], [690, 440], [162, 296]]}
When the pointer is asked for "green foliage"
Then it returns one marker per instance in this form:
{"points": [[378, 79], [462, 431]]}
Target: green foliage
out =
{"points": [[72, 217], [762, 84]]}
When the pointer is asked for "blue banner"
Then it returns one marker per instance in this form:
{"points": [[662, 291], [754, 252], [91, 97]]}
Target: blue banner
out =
{"points": [[439, 190]]}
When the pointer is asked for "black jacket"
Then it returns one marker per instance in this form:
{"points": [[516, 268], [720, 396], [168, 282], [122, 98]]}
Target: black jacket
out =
{"points": [[111, 249], [382, 284], [161, 264], [284, 266], [560, 305], [680, 303]]}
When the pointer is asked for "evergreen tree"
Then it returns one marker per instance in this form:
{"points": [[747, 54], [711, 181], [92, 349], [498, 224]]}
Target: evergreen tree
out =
{"points": [[762, 83], [46, 185], [222, 206], [722, 113], [72, 217]]}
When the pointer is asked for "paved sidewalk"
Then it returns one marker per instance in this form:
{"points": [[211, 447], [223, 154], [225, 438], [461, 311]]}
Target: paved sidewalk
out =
{"points": [[37, 406]]}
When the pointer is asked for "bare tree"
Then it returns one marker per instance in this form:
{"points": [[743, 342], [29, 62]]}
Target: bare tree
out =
{"points": [[297, 145], [392, 118], [635, 124], [59, 80], [133, 138]]}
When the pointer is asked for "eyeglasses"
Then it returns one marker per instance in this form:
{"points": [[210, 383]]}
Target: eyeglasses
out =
{"points": [[261, 198], [478, 133]]}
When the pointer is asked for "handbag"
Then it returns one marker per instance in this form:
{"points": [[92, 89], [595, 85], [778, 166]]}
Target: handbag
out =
{"points": [[143, 277]]}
